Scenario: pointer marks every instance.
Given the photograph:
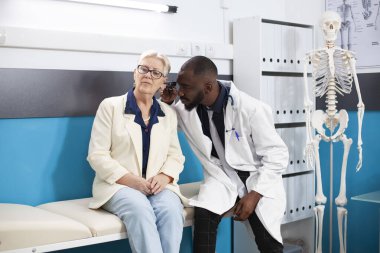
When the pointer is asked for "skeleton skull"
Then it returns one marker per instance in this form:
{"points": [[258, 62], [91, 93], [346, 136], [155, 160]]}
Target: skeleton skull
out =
{"points": [[330, 24]]}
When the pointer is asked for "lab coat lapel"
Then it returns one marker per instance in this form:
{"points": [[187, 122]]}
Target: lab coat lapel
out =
{"points": [[157, 136], [192, 125], [228, 118], [134, 130]]}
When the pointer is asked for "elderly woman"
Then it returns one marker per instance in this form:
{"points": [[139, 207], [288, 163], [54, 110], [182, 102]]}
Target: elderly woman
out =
{"points": [[135, 152]]}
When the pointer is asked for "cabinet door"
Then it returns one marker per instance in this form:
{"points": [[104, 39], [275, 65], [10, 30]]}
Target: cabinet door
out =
{"points": [[288, 49], [298, 194], [304, 44], [287, 135], [267, 94], [299, 148], [267, 46], [278, 40]]}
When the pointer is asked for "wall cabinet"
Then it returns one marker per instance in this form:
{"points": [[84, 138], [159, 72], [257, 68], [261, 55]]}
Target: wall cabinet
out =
{"points": [[268, 64]]}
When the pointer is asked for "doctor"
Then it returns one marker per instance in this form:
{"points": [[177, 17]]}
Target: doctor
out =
{"points": [[135, 152], [242, 155]]}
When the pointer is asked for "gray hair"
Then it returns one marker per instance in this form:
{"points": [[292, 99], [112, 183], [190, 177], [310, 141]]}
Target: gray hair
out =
{"points": [[155, 54]]}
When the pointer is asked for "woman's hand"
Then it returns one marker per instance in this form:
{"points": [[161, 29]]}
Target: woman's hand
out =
{"points": [[158, 183], [135, 182]]}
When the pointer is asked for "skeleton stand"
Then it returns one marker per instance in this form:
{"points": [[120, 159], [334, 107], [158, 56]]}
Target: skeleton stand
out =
{"points": [[333, 73]]}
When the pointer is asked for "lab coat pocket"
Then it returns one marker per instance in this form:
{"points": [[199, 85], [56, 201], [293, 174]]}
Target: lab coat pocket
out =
{"points": [[238, 152]]}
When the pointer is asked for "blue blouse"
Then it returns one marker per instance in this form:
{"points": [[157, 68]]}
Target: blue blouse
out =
{"points": [[155, 111]]}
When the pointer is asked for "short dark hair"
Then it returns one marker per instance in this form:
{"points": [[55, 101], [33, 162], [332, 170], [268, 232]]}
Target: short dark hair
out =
{"points": [[200, 65]]}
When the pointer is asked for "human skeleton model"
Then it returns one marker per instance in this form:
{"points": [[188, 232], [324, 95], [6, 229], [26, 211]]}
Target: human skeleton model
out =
{"points": [[333, 73], [346, 15]]}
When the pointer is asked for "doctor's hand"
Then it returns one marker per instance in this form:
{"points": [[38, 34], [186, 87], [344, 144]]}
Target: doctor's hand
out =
{"points": [[168, 94], [135, 182], [158, 183], [246, 206]]}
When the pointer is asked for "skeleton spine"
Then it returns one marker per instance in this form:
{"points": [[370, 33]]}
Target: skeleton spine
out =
{"points": [[331, 98]]}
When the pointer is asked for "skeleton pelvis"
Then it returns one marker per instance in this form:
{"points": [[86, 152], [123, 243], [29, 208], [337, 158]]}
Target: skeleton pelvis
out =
{"points": [[320, 120]]}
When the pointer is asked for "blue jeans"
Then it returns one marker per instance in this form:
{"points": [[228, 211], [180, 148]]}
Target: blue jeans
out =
{"points": [[154, 223]]}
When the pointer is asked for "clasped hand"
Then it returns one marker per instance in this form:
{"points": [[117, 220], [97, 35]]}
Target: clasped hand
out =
{"points": [[152, 186]]}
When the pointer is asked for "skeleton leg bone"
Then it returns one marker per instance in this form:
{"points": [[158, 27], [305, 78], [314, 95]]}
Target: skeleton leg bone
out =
{"points": [[320, 198], [318, 118], [342, 215], [341, 200], [318, 211]]}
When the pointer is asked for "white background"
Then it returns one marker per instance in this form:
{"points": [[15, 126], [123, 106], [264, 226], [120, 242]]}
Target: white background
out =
{"points": [[196, 21]]}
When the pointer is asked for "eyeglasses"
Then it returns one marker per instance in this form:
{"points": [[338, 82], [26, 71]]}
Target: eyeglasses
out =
{"points": [[142, 69]]}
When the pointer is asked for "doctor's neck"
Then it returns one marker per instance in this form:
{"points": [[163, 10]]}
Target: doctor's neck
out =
{"points": [[211, 92]]}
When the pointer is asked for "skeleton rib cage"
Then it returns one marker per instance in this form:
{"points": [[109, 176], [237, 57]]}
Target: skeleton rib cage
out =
{"points": [[322, 75]]}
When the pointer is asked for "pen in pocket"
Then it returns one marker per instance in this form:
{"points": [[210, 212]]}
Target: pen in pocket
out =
{"points": [[237, 135]]}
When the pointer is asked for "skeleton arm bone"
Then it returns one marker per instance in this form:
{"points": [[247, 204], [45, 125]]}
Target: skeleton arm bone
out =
{"points": [[361, 108], [309, 151]]}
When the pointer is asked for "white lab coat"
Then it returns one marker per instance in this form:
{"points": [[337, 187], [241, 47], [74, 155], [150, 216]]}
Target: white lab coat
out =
{"points": [[257, 149]]}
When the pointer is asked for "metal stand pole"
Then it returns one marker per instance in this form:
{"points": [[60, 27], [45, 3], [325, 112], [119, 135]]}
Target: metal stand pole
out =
{"points": [[331, 193], [331, 184]]}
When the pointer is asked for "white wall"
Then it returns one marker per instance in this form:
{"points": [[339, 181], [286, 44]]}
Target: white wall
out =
{"points": [[204, 22], [296, 11], [68, 16], [196, 19]]}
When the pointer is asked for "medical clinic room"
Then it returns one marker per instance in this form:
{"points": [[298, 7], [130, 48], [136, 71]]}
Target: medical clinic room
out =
{"points": [[173, 126]]}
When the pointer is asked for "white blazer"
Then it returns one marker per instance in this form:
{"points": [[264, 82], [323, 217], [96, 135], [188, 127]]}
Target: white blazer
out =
{"points": [[115, 149], [259, 150]]}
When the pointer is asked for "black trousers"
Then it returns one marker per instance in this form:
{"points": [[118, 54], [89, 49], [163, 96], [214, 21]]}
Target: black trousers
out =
{"points": [[206, 225]]}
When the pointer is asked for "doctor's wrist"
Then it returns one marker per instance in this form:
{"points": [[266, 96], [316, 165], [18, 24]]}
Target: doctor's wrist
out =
{"points": [[255, 194]]}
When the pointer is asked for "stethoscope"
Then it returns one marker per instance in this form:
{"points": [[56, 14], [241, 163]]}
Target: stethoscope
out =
{"points": [[232, 101], [234, 109]]}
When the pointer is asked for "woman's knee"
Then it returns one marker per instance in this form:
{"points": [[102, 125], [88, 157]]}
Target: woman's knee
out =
{"points": [[129, 206], [139, 210], [168, 203]]}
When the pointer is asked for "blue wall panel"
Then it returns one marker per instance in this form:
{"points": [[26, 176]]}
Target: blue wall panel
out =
{"points": [[192, 171], [44, 160]]}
